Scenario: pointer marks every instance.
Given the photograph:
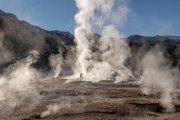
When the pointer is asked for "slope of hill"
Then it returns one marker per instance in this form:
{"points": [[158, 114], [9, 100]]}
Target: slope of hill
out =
{"points": [[17, 38]]}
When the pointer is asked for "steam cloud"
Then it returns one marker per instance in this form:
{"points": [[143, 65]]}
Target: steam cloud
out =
{"points": [[18, 86], [158, 76], [104, 15], [56, 62], [52, 109]]}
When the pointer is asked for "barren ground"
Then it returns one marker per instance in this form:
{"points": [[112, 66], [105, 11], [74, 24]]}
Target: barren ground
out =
{"points": [[97, 101]]}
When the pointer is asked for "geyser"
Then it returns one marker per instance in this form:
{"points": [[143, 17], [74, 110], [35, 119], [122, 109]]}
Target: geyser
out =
{"points": [[106, 16]]}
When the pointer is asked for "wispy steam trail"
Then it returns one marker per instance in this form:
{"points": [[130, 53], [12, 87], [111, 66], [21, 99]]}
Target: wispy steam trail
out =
{"points": [[55, 63]]}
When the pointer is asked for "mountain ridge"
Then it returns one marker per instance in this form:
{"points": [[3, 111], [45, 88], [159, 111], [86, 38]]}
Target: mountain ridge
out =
{"points": [[19, 37]]}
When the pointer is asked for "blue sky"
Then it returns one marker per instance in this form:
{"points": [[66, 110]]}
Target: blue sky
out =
{"points": [[148, 17]]}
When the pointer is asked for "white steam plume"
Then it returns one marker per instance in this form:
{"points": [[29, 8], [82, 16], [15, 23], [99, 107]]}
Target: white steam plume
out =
{"points": [[158, 76], [105, 16], [53, 109], [115, 52], [55, 63], [18, 86]]}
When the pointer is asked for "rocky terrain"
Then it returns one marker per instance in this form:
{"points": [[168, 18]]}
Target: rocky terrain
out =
{"points": [[105, 100]]}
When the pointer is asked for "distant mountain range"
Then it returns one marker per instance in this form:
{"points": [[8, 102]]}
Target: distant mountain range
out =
{"points": [[164, 40], [17, 38]]}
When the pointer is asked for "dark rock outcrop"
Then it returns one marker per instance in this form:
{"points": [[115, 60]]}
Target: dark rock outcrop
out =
{"points": [[140, 45]]}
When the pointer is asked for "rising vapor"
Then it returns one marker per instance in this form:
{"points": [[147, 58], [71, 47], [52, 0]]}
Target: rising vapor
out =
{"points": [[55, 63], [18, 86], [104, 15], [159, 77]]}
